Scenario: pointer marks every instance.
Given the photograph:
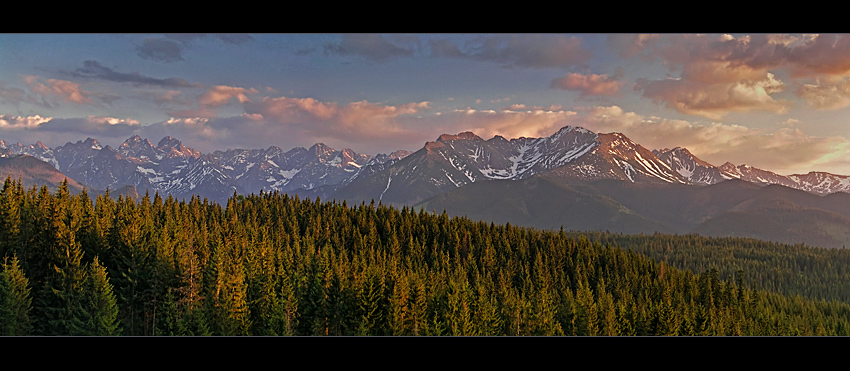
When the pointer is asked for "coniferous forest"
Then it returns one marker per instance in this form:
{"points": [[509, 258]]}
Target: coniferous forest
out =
{"points": [[273, 264]]}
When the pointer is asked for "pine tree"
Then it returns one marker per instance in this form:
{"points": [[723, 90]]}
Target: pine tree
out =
{"points": [[101, 307], [586, 312], [15, 300], [370, 295], [61, 301], [10, 217]]}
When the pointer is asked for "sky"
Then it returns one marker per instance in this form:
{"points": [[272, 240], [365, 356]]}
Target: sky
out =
{"points": [[780, 102]]}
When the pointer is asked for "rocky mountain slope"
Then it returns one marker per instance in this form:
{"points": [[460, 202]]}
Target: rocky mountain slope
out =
{"points": [[572, 154]]}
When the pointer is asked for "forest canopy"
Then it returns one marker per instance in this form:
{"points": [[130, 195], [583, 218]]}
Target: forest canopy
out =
{"points": [[272, 264]]}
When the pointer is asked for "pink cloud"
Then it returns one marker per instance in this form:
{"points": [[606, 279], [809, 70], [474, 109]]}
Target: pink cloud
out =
{"points": [[589, 85], [221, 94], [331, 118], [822, 54], [723, 73], [715, 99], [62, 89], [828, 93], [785, 150], [8, 122]]}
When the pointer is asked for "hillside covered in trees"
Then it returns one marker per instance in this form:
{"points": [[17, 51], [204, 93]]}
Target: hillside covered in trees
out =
{"points": [[271, 264]]}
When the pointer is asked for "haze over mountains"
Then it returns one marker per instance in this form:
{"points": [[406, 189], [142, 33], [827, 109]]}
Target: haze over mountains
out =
{"points": [[574, 178]]}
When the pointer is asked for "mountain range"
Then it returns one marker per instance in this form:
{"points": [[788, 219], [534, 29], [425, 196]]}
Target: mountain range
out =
{"points": [[575, 178]]}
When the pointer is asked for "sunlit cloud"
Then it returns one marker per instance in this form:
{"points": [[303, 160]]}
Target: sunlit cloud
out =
{"points": [[58, 131], [91, 125], [63, 90], [221, 94], [364, 126], [715, 99], [723, 73], [194, 131], [821, 54], [360, 121], [827, 93], [9, 122], [590, 84], [784, 150]]}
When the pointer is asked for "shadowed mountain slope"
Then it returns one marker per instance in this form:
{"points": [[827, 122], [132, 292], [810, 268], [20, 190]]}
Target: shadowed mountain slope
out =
{"points": [[730, 208]]}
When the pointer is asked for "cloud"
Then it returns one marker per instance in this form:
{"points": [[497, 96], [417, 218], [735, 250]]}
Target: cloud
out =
{"points": [[372, 46], [221, 94], [445, 48], [63, 90], [160, 50], [525, 50], [230, 38], [828, 93], [724, 73], [357, 122], [298, 122], [170, 48], [821, 54], [234, 38], [169, 97], [194, 113], [362, 126], [784, 150], [589, 85], [58, 131], [714, 99], [525, 107], [91, 126], [9, 122], [96, 70], [195, 132], [11, 95], [509, 123], [630, 45]]}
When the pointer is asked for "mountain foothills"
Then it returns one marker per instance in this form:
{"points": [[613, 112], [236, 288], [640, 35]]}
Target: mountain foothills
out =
{"points": [[575, 179]]}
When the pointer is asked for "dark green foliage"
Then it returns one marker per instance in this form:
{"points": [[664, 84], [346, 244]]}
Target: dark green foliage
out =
{"points": [[271, 264], [100, 305], [15, 300]]}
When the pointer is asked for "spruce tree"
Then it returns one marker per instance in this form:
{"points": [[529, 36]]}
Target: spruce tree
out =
{"points": [[101, 306], [15, 300]]}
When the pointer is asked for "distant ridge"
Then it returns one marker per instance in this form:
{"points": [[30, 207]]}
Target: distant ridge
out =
{"points": [[572, 154], [34, 172]]}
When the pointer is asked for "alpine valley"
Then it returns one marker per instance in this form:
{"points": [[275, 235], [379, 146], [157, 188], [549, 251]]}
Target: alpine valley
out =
{"points": [[574, 179]]}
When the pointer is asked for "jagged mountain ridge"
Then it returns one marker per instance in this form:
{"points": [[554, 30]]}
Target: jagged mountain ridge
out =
{"points": [[453, 161], [700, 172], [172, 168], [449, 162]]}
